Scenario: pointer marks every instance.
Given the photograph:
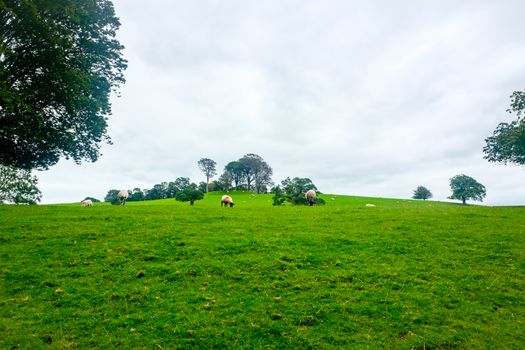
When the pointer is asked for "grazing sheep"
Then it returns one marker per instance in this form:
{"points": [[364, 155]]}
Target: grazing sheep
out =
{"points": [[122, 196], [370, 205], [227, 200], [87, 203], [311, 197]]}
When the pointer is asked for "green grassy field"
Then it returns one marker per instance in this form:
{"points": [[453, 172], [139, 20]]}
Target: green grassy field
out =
{"points": [[162, 275]]}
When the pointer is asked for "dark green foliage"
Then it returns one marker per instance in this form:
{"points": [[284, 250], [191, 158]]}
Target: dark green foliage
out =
{"points": [[224, 183], [136, 195], [235, 170], [112, 197], [256, 172], [278, 197], [203, 187], [295, 189], [464, 188], [60, 61], [159, 191], [191, 193], [94, 200], [172, 190], [176, 186], [421, 192], [207, 166], [181, 183], [18, 186], [507, 143], [250, 173]]}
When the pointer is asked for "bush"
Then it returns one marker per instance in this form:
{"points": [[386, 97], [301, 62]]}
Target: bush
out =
{"points": [[191, 193], [278, 196], [293, 191]]}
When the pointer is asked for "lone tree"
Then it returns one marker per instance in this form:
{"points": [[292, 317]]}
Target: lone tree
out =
{"points": [[507, 143], [464, 187], [59, 62], [207, 166], [191, 193], [421, 192], [18, 186]]}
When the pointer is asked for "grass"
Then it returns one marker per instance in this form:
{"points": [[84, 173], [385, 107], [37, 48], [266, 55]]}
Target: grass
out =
{"points": [[163, 274]]}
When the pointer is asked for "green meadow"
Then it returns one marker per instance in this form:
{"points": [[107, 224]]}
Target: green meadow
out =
{"points": [[164, 275]]}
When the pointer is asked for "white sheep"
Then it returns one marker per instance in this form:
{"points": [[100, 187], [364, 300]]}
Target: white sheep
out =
{"points": [[122, 196], [87, 203], [227, 200], [311, 196]]}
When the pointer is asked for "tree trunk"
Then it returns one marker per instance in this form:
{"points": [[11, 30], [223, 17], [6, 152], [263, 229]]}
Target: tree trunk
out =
{"points": [[464, 200], [207, 183]]}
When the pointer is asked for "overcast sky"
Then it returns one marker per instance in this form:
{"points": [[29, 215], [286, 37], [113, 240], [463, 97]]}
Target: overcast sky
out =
{"points": [[364, 97]]}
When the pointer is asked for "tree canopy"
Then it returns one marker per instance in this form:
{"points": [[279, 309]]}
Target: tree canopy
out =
{"points": [[464, 188], [18, 186], [293, 191], [59, 62], [507, 143], [421, 192], [235, 171], [191, 193]]}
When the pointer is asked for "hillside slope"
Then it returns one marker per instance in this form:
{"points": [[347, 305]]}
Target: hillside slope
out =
{"points": [[163, 274]]}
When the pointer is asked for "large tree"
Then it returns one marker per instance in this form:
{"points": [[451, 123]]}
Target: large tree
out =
{"points": [[256, 171], [464, 188], [263, 178], [507, 143], [207, 166], [224, 183], [236, 171], [59, 62], [18, 186]]}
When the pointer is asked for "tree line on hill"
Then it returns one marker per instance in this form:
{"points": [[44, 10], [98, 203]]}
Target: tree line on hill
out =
{"points": [[181, 189], [249, 173], [463, 188]]}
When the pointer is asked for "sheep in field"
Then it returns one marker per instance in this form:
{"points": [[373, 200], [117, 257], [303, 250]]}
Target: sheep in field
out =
{"points": [[87, 203], [311, 197], [227, 200], [122, 196]]}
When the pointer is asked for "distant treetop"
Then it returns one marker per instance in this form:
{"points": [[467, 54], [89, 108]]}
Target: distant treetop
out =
{"points": [[421, 192]]}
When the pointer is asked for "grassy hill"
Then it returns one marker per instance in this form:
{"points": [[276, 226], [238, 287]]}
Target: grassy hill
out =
{"points": [[163, 274]]}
